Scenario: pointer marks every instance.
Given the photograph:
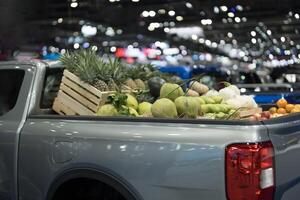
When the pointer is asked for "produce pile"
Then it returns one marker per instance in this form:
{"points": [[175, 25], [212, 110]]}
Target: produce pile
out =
{"points": [[175, 101], [143, 91], [282, 108]]}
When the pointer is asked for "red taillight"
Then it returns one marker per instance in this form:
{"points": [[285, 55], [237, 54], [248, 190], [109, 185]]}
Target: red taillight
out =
{"points": [[250, 171]]}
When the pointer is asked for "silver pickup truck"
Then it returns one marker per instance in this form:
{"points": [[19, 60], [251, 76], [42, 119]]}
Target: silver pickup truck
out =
{"points": [[44, 156]]}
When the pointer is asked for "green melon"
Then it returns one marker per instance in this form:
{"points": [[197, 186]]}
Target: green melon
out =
{"points": [[164, 108]]}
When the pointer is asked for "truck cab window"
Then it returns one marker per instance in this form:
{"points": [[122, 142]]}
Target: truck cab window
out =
{"points": [[10, 85], [51, 87]]}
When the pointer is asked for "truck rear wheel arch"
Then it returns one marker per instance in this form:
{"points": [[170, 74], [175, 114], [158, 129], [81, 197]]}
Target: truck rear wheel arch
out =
{"points": [[90, 176]]}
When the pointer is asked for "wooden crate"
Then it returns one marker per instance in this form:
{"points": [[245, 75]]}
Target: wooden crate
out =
{"points": [[76, 97], [249, 112]]}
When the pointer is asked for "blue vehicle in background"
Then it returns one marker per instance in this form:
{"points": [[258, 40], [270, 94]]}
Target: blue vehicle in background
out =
{"points": [[250, 84], [187, 72]]}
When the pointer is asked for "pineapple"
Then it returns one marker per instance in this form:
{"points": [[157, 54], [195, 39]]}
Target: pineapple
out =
{"points": [[112, 73], [112, 86], [101, 85], [130, 83], [82, 64], [140, 84], [106, 76]]}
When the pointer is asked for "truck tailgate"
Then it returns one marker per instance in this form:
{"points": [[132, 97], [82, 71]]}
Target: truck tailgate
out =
{"points": [[285, 136]]}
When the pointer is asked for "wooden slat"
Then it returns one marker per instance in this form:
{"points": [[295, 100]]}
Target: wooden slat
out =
{"points": [[59, 106], [81, 91], [79, 98], [73, 104], [65, 108], [249, 112], [86, 86]]}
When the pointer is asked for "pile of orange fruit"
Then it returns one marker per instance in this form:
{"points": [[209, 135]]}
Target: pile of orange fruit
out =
{"points": [[283, 108]]}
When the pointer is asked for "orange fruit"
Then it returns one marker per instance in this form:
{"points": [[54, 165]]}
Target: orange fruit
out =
{"points": [[297, 106], [273, 110], [289, 107], [281, 111], [281, 103], [295, 110]]}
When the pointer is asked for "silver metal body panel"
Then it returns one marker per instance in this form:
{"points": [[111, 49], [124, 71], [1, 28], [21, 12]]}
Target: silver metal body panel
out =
{"points": [[160, 160]]}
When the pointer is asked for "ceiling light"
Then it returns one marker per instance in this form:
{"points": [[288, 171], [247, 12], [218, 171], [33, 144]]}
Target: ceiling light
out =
{"points": [[201, 40], [113, 49], [224, 8], [282, 39], [229, 34], [239, 8], [237, 19], [152, 13], [76, 46], [292, 43], [81, 22], [151, 28], [172, 24], [229, 20], [189, 5], [86, 45], [214, 45], [216, 10], [206, 21], [154, 25], [63, 51], [179, 18], [74, 4], [194, 37], [269, 32], [171, 13], [287, 52], [110, 32], [222, 42], [105, 43], [242, 54], [88, 30], [253, 33], [94, 48], [253, 40], [297, 16], [135, 0], [230, 14], [60, 20], [119, 31], [162, 11], [244, 19], [145, 13], [166, 30], [224, 20], [208, 42]]}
